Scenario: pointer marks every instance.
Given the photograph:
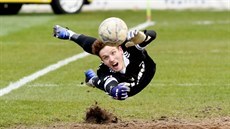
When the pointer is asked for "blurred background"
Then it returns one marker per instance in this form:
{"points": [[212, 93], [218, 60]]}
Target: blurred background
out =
{"points": [[124, 4]]}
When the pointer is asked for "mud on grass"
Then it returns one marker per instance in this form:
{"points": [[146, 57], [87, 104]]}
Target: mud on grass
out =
{"points": [[220, 123], [98, 118], [97, 115]]}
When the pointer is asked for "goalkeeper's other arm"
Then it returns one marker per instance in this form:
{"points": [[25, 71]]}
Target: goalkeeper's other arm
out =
{"points": [[135, 37]]}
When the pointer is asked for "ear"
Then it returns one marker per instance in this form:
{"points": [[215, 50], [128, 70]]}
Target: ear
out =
{"points": [[120, 49]]}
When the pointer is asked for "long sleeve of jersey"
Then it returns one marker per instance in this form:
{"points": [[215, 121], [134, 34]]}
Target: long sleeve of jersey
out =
{"points": [[150, 36], [84, 41], [106, 85]]}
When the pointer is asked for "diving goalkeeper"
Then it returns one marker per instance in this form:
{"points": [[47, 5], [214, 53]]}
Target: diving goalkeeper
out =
{"points": [[125, 70]]}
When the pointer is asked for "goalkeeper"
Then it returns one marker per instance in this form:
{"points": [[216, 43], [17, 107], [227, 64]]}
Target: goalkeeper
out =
{"points": [[125, 69]]}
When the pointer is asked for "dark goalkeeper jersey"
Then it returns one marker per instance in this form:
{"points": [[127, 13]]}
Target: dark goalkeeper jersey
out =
{"points": [[139, 71]]}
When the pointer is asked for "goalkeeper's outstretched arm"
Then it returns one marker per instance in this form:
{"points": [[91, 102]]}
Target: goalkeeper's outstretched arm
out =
{"points": [[83, 41]]}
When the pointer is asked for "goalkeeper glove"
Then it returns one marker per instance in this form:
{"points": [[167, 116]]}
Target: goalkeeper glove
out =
{"points": [[62, 33], [120, 92], [89, 75], [135, 37]]}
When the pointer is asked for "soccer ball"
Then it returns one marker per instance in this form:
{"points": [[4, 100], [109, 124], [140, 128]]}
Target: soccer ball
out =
{"points": [[113, 31]]}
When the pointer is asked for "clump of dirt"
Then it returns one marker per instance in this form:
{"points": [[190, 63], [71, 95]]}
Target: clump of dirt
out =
{"points": [[97, 115]]}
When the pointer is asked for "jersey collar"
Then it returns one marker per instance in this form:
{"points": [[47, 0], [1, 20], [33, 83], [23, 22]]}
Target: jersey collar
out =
{"points": [[126, 62]]}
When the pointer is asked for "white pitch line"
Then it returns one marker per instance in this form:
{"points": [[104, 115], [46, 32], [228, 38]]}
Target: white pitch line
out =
{"points": [[143, 25], [53, 67], [40, 73]]}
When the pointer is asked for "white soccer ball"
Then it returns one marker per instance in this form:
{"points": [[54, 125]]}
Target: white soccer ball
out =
{"points": [[113, 31]]}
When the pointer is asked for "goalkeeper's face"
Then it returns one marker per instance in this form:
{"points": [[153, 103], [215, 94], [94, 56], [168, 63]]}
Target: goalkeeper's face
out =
{"points": [[112, 56]]}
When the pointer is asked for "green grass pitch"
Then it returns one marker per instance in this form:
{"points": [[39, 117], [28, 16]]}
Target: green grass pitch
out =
{"points": [[192, 52]]}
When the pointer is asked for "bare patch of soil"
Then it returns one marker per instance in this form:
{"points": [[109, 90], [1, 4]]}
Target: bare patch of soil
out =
{"points": [[223, 123], [98, 118]]}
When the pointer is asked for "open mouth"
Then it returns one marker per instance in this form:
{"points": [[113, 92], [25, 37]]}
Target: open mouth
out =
{"points": [[115, 65]]}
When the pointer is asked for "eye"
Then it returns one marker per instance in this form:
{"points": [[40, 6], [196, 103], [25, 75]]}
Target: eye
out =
{"points": [[105, 58], [113, 52]]}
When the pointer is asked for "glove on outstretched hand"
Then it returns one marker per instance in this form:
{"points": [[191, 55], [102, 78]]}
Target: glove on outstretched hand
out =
{"points": [[62, 33], [135, 37], [120, 92], [131, 34], [89, 75]]}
